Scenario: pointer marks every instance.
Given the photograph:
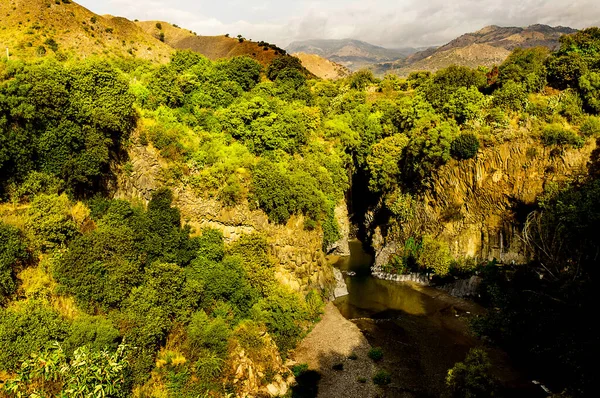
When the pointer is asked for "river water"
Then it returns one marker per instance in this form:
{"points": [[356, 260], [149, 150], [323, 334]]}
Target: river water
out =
{"points": [[423, 331]]}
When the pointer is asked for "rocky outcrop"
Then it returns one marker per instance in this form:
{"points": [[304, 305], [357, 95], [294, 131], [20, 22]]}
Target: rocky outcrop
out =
{"points": [[249, 371], [341, 289], [478, 206], [463, 287], [414, 277], [341, 246], [296, 252]]}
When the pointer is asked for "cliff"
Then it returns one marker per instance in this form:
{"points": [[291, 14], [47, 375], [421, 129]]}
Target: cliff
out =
{"points": [[296, 252], [478, 206]]}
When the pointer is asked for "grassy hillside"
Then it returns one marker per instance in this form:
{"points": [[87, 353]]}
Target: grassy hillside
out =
{"points": [[36, 28], [322, 67], [212, 47]]}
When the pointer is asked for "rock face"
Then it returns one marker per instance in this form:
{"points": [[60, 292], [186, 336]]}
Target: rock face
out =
{"points": [[340, 289], [248, 370], [478, 206], [341, 247], [299, 260], [463, 287]]}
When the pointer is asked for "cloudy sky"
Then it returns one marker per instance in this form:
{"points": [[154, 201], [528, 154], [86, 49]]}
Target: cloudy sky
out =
{"points": [[389, 23]]}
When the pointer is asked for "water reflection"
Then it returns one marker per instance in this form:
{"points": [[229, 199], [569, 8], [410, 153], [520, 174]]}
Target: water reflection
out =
{"points": [[370, 296]]}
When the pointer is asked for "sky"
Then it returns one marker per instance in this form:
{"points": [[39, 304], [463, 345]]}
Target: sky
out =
{"points": [[388, 23]]}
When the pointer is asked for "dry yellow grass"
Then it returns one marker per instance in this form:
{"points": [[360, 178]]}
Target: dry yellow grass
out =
{"points": [[212, 47], [27, 25], [322, 67]]}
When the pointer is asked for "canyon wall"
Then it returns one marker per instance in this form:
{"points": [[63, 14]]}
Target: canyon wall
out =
{"points": [[296, 252], [478, 206]]}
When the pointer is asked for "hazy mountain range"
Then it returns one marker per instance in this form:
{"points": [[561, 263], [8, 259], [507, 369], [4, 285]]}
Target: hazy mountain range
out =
{"points": [[488, 46]]}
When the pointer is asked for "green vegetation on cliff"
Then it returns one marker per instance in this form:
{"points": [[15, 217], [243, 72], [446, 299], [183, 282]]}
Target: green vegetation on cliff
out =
{"points": [[175, 306]]}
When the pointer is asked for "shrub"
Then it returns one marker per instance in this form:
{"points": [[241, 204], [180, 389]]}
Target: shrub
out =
{"points": [[103, 374], [434, 256], [338, 366], [205, 333], [556, 134], [591, 127], [353, 356], [298, 369], [465, 146], [376, 354], [12, 251], [50, 221], [512, 96], [471, 378], [94, 332], [382, 378], [26, 330]]}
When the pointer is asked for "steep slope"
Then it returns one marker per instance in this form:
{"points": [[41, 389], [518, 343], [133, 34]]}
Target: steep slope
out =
{"points": [[35, 28], [322, 67], [352, 54], [213, 47], [477, 206], [488, 46]]}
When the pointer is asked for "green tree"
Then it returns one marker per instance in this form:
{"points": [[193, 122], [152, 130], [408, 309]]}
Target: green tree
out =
{"points": [[526, 67], [383, 162], [243, 70], [511, 95], [589, 86]]}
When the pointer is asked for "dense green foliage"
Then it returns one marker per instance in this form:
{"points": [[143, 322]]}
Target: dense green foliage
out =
{"points": [[89, 373], [67, 122], [277, 140], [13, 250]]}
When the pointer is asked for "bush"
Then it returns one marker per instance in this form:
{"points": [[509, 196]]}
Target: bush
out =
{"points": [[95, 332], [591, 127], [102, 374], [376, 354], [298, 369], [556, 134], [26, 330], [472, 378], [50, 221], [382, 378], [465, 146], [12, 252], [434, 256]]}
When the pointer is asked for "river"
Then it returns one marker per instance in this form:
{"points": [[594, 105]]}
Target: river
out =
{"points": [[423, 331]]}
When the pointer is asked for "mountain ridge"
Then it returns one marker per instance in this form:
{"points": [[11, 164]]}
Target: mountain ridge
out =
{"points": [[351, 53], [488, 46]]}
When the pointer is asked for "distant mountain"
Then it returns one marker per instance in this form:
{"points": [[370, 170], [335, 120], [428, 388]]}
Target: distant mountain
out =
{"points": [[350, 53], [322, 67], [488, 46], [37, 28], [213, 47]]}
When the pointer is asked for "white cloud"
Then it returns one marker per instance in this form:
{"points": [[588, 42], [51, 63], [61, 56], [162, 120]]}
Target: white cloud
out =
{"points": [[391, 23]]}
